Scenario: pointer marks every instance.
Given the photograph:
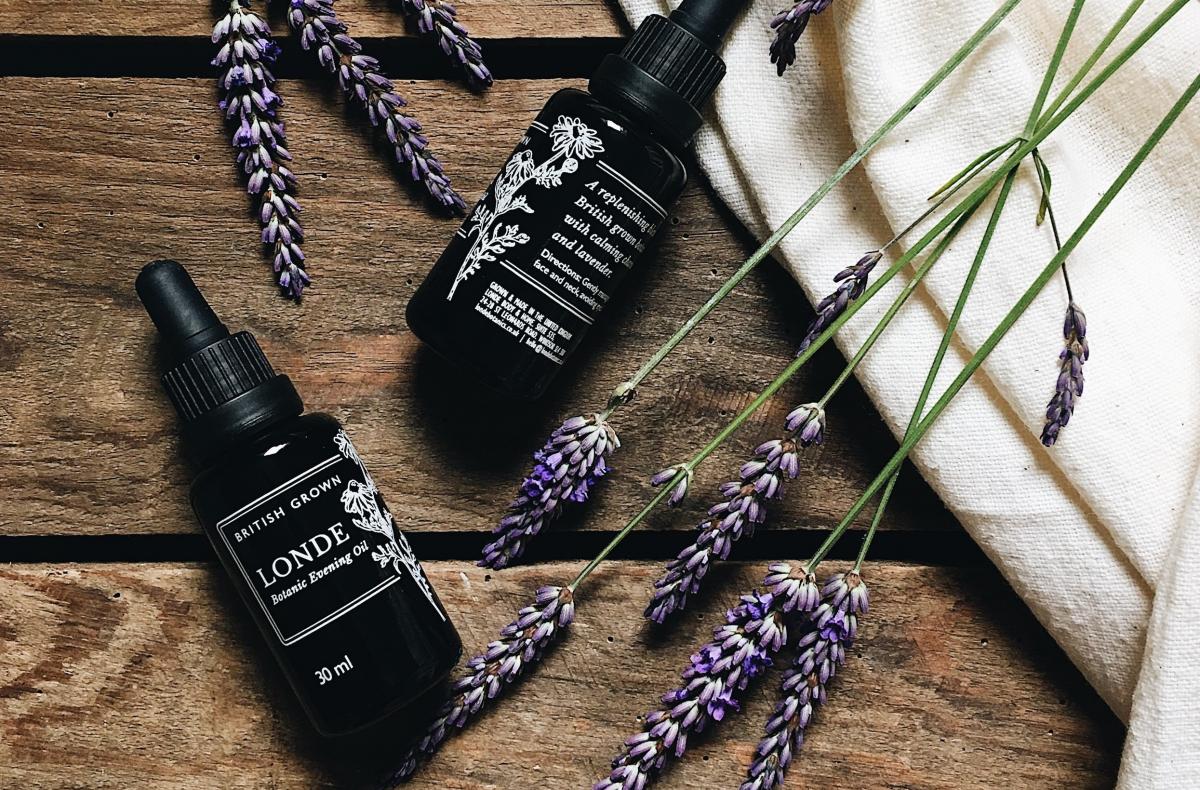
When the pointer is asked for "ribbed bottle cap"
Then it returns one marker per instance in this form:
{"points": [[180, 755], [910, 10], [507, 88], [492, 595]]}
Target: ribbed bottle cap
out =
{"points": [[216, 374], [676, 58], [670, 67], [221, 385]]}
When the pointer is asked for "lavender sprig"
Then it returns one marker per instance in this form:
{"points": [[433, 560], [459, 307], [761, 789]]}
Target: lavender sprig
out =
{"points": [[831, 629], [679, 489], [852, 281], [249, 101], [1069, 386], [788, 25], [361, 79], [719, 671], [522, 643], [573, 460], [759, 480], [438, 20]]}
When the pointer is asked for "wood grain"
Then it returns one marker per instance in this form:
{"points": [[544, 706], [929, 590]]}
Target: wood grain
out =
{"points": [[117, 676], [87, 440], [487, 19]]}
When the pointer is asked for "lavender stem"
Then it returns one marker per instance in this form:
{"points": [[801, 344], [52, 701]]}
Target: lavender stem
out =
{"points": [[625, 390]]}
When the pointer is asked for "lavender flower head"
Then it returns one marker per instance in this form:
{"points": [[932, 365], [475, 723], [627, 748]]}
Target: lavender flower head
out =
{"points": [[571, 462], [1069, 387], [852, 281], [361, 79], [680, 489], [249, 101], [831, 628], [788, 25], [761, 479], [807, 423], [439, 20], [522, 644], [719, 671]]}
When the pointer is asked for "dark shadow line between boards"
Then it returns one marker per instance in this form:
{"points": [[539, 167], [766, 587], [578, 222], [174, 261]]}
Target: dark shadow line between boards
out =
{"points": [[404, 58]]}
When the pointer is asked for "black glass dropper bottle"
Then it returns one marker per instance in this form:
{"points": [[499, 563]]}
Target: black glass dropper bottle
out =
{"points": [[297, 522], [579, 200]]}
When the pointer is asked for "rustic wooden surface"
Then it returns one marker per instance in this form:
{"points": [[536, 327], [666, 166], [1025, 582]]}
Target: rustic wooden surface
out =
{"points": [[123, 659], [951, 685]]}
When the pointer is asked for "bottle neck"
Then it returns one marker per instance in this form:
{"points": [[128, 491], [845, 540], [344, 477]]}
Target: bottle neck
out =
{"points": [[241, 419]]}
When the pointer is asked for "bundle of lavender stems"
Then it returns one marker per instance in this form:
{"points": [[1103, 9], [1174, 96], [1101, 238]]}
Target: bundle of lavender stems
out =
{"points": [[790, 609], [249, 100]]}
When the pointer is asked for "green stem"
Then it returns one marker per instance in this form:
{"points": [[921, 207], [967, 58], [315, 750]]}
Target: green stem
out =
{"points": [[934, 368], [1097, 53], [908, 290], [963, 178], [1015, 312], [780, 380], [1044, 179], [967, 204], [625, 390], [968, 285], [978, 164], [875, 519]]}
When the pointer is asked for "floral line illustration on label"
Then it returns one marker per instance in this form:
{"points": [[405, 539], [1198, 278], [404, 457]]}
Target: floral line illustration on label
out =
{"points": [[571, 140], [361, 502]]}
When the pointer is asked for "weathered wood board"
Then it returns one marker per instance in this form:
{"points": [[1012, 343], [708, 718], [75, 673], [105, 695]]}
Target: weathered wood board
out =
{"points": [[118, 676], [123, 673], [88, 441]]}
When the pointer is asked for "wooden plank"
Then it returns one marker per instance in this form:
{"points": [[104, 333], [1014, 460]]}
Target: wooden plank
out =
{"points": [[487, 19], [115, 676], [87, 440]]}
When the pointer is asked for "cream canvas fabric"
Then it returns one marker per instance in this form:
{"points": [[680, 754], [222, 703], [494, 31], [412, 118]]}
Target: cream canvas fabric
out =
{"points": [[1101, 535]]}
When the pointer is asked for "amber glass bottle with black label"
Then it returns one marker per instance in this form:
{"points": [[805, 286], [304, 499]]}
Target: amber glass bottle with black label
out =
{"points": [[298, 523], [573, 208]]}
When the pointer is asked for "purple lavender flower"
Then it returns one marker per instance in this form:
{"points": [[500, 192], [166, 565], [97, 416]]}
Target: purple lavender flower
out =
{"points": [[1070, 376], [760, 479], [360, 78], [852, 281], [439, 20], [522, 644], [740, 650], [251, 105], [680, 489], [807, 423], [571, 462], [788, 25], [830, 630]]}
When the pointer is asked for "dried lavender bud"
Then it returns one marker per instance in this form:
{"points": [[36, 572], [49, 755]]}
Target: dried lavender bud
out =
{"points": [[797, 590], [761, 479], [788, 25], [439, 20], [573, 459], [740, 650], [680, 489], [1069, 387], [831, 629], [251, 105], [852, 281], [807, 422], [361, 79], [522, 644]]}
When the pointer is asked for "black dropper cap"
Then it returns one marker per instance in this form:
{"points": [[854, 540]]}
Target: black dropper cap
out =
{"points": [[670, 66], [221, 385]]}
